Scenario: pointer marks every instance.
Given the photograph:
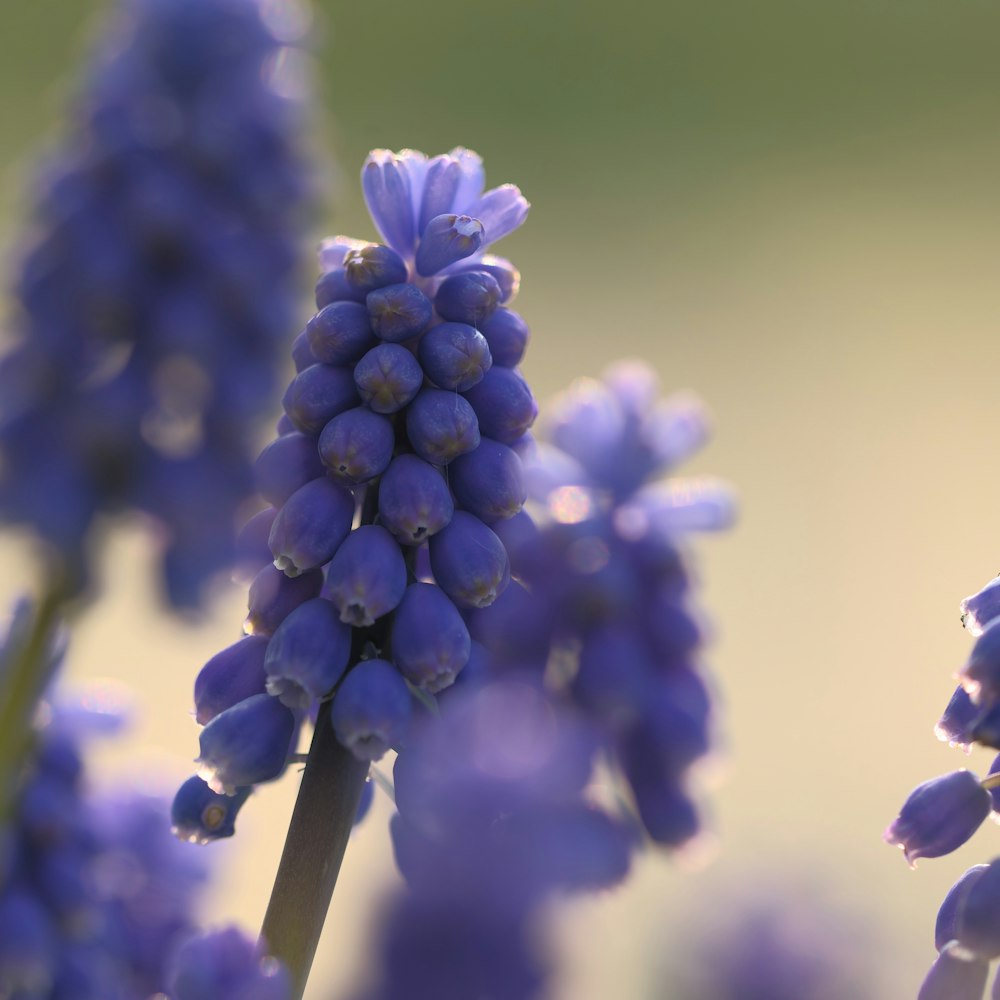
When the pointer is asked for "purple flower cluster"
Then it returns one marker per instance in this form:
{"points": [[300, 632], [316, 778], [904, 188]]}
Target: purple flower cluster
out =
{"points": [[601, 597], [94, 892], [157, 286], [396, 459], [942, 814], [493, 819]]}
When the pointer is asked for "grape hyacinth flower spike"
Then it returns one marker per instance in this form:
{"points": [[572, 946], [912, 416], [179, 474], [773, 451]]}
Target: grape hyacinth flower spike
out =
{"points": [[942, 814], [391, 471], [157, 287]]}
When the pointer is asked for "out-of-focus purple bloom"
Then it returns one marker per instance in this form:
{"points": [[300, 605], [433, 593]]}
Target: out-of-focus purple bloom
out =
{"points": [[157, 287], [772, 940], [601, 596], [939, 816], [97, 894], [492, 822], [227, 965]]}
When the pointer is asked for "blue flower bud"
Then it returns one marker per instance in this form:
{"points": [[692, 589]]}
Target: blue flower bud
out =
{"points": [[307, 654], [246, 744], [318, 394], [385, 182], [310, 526], [489, 482], [447, 239], [302, 354], [441, 426], [502, 271], [371, 709], [501, 211], [357, 445], [227, 964], [978, 917], [367, 577], [274, 596], [469, 562], [252, 551], [955, 725], [982, 608], [503, 404], [454, 356], [414, 501], [333, 286], [340, 333], [399, 312], [953, 978], [981, 674], [199, 815], [229, 677], [388, 377], [286, 464], [939, 816], [946, 926], [430, 642], [507, 335], [470, 297], [374, 266]]}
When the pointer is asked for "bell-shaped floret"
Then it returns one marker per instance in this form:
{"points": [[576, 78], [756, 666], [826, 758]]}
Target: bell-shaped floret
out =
{"points": [[307, 654], [246, 744], [371, 709], [414, 501], [367, 577], [469, 562], [430, 641], [311, 525], [231, 676], [441, 426]]}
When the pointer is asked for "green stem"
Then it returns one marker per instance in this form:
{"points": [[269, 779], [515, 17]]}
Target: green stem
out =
{"points": [[314, 849], [21, 687]]}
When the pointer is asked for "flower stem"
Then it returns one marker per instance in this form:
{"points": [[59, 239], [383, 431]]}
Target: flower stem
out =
{"points": [[22, 685], [314, 849]]}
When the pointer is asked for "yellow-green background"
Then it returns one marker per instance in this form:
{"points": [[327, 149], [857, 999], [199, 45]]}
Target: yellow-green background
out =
{"points": [[788, 205]]}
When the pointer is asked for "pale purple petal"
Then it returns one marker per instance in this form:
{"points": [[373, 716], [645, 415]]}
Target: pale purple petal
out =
{"points": [[500, 211], [386, 181], [444, 173], [473, 178]]}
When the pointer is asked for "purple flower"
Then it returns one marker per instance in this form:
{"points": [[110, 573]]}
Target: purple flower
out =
{"points": [[939, 816], [359, 476], [227, 965], [157, 288]]}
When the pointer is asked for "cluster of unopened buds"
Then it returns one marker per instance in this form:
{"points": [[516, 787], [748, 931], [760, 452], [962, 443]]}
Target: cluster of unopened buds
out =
{"points": [[943, 814]]}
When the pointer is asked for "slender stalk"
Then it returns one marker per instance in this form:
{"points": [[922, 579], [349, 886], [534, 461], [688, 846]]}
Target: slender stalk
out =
{"points": [[314, 849], [21, 687]]}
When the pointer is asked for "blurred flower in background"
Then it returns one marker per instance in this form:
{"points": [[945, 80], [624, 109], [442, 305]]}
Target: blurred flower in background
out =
{"points": [[769, 935], [156, 287]]}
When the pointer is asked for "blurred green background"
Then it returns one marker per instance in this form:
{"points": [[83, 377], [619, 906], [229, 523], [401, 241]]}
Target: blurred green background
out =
{"points": [[788, 205]]}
